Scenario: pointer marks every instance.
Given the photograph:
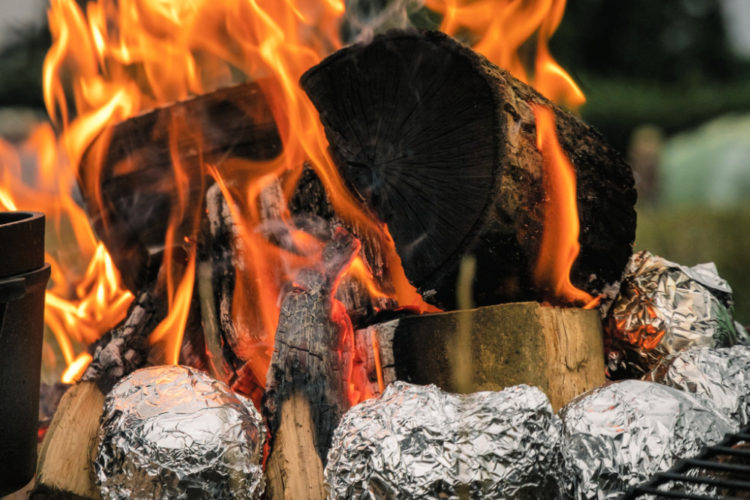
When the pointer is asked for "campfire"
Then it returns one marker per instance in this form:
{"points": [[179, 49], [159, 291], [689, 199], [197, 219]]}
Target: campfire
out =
{"points": [[394, 266]]}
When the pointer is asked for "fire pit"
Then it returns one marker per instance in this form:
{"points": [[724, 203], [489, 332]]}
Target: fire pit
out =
{"points": [[371, 244]]}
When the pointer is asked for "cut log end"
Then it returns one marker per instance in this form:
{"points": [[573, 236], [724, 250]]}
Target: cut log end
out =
{"points": [[441, 144], [556, 349]]}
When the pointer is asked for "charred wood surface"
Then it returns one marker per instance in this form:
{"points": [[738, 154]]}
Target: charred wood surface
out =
{"points": [[306, 383], [125, 348], [441, 144], [132, 167]]}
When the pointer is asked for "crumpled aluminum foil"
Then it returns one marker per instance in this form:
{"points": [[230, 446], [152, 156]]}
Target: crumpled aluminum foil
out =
{"points": [[420, 442], [174, 432], [616, 437], [664, 308], [719, 375]]}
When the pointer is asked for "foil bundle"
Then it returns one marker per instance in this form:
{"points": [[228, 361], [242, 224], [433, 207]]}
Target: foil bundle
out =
{"points": [[616, 437], [174, 432], [719, 375], [664, 308], [420, 442]]}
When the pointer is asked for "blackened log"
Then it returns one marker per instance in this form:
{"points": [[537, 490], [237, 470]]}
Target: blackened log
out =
{"points": [[306, 385], [131, 166], [125, 348], [441, 144], [312, 211]]}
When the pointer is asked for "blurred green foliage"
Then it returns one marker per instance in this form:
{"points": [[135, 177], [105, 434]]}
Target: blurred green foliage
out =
{"points": [[665, 63], [21, 67]]}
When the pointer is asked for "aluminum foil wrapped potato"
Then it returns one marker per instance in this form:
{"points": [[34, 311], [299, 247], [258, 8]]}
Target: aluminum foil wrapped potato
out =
{"points": [[420, 442], [664, 308], [174, 432], [719, 375], [616, 437]]}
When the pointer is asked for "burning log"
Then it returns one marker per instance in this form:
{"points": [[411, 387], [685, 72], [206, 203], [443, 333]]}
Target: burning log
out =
{"points": [[306, 386], [129, 179], [489, 348], [442, 145]]}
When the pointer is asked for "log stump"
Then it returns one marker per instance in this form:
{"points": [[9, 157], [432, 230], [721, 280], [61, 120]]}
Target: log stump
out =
{"points": [[489, 348]]}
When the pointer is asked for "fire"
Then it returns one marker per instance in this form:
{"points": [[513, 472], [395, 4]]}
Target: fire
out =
{"points": [[514, 35], [508, 32], [118, 58], [560, 246], [82, 302]]}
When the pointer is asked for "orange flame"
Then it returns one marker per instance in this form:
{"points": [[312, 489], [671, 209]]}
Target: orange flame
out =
{"points": [[559, 247], [515, 35], [121, 57], [81, 302]]}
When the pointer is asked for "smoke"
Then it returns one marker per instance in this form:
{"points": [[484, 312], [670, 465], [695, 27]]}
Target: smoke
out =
{"points": [[365, 18]]}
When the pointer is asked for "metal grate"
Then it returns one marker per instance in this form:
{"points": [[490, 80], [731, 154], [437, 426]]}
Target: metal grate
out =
{"points": [[726, 466]]}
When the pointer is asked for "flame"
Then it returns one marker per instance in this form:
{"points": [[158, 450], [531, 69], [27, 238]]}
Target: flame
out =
{"points": [[81, 303], [559, 247], [515, 36], [117, 58]]}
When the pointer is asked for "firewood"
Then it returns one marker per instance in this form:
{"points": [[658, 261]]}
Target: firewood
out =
{"points": [[306, 386], [128, 178], [125, 348], [441, 145], [66, 459], [556, 349]]}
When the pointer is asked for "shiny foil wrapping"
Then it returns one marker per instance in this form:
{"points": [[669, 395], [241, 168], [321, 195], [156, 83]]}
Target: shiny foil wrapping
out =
{"points": [[664, 308], [616, 437], [719, 375], [420, 442], [174, 432]]}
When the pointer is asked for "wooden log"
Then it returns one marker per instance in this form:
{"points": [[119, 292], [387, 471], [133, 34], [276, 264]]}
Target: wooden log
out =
{"points": [[66, 459], [306, 385], [125, 348], [128, 173], [556, 349], [441, 145]]}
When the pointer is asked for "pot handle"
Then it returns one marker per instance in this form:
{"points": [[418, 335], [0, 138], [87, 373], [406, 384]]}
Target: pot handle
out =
{"points": [[12, 289]]}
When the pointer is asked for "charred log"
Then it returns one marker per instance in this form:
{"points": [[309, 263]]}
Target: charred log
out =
{"points": [[125, 348], [441, 145], [128, 174], [306, 391]]}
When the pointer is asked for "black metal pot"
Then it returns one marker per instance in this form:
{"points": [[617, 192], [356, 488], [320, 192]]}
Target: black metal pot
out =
{"points": [[23, 280]]}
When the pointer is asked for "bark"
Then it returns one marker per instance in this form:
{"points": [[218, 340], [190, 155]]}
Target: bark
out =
{"points": [[306, 386], [441, 145]]}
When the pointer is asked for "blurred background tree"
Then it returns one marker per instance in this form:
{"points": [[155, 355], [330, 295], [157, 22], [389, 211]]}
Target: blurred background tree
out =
{"points": [[668, 82]]}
